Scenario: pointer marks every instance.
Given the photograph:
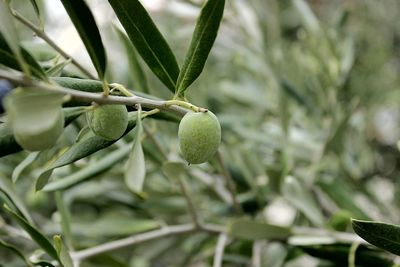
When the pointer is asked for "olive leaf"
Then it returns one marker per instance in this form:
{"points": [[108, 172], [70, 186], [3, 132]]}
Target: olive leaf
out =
{"points": [[383, 235], [85, 24], [15, 251], [57, 69], [248, 229], [10, 34], [203, 39], [300, 197], [135, 171], [83, 148], [339, 254], [139, 80], [148, 40], [35, 7], [7, 187], [8, 58], [92, 170], [23, 165], [62, 252], [34, 233], [341, 193]]}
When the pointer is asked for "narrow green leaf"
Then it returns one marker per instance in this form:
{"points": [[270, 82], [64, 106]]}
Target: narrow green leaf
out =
{"points": [[139, 80], [274, 255], [10, 34], [203, 39], [7, 187], [79, 150], [90, 171], [57, 69], [247, 229], [8, 58], [35, 7], [63, 252], [383, 235], [85, 24], [65, 218], [8, 145], [339, 253], [341, 193], [15, 251], [43, 264], [35, 234], [301, 198], [148, 40], [23, 165], [113, 225], [308, 17], [294, 93], [135, 168]]}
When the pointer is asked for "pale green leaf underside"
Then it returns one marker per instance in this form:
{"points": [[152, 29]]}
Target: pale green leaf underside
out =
{"points": [[135, 169], [248, 229]]}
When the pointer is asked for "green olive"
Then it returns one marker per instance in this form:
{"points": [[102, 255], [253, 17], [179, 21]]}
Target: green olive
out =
{"points": [[45, 138], [108, 121], [199, 136], [36, 118]]}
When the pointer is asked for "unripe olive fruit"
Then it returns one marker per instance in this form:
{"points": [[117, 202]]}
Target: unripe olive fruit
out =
{"points": [[199, 136], [40, 140], [108, 121], [36, 118]]}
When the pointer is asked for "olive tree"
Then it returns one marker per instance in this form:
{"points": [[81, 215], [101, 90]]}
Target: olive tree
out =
{"points": [[155, 169]]}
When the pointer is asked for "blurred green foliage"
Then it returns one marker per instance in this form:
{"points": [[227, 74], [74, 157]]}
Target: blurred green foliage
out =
{"points": [[307, 94]]}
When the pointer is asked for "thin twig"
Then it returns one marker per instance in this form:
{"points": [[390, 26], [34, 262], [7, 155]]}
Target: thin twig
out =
{"points": [[132, 240], [42, 34], [352, 254], [257, 252], [88, 97], [219, 250], [229, 182], [191, 209]]}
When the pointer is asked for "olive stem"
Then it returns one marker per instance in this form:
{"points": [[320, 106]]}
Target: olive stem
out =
{"points": [[219, 250], [20, 79], [149, 113], [39, 31], [185, 104], [121, 88], [229, 182]]}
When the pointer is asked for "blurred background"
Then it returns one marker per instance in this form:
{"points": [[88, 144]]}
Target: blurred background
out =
{"points": [[307, 93]]}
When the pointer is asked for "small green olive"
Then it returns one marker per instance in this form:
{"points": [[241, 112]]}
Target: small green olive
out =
{"points": [[108, 121], [42, 139], [36, 118], [199, 136]]}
